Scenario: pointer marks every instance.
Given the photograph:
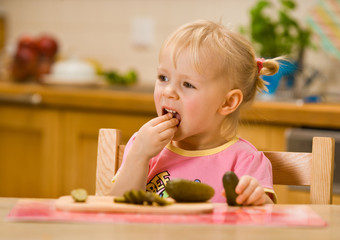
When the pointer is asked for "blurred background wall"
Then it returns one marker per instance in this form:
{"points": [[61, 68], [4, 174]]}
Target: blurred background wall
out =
{"points": [[124, 34]]}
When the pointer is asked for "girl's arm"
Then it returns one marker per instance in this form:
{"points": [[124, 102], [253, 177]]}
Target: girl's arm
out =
{"points": [[152, 137]]}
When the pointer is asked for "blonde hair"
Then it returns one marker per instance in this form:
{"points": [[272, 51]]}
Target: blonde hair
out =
{"points": [[234, 53]]}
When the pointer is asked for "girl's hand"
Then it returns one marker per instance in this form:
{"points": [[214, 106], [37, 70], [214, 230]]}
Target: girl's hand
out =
{"points": [[153, 136], [250, 192]]}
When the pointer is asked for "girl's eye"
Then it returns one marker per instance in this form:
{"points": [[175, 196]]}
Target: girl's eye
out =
{"points": [[163, 78], [188, 85]]}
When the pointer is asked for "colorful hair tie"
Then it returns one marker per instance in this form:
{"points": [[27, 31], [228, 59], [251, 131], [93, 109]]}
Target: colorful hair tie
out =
{"points": [[259, 62]]}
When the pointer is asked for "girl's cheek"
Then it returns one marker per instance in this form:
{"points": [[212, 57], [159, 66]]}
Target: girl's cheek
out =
{"points": [[157, 100], [190, 106]]}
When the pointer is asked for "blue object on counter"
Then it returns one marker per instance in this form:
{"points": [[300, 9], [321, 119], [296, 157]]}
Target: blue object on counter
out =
{"points": [[312, 99]]}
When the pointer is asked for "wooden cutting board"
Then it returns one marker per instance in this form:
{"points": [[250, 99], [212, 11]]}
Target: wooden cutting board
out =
{"points": [[106, 204]]}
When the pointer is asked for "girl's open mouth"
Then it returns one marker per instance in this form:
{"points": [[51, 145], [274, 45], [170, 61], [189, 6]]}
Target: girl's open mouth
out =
{"points": [[173, 112]]}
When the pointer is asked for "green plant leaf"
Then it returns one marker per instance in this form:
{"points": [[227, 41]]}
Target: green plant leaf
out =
{"points": [[274, 32], [288, 4]]}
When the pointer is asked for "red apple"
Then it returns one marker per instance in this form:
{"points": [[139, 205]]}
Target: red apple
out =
{"points": [[26, 41], [26, 55], [34, 57], [24, 64], [47, 46]]}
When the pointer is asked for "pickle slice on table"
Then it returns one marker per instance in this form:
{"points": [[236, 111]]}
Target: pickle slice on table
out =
{"points": [[79, 195], [132, 197], [141, 197], [160, 201]]}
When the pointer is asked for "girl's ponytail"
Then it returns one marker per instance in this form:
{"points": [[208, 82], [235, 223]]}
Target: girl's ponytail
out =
{"points": [[265, 67]]}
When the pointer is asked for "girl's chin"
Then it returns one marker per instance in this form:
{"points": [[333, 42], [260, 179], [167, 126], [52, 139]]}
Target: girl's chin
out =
{"points": [[178, 136]]}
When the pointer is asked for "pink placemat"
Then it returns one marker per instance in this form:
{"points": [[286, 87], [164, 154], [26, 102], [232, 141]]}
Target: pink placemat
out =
{"points": [[268, 215]]}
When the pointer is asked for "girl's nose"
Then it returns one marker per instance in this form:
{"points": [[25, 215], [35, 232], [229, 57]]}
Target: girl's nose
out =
{"points": [[170, 91]]}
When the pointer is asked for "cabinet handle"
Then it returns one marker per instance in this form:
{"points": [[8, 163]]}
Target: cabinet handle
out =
{"points": [[29, 98]]}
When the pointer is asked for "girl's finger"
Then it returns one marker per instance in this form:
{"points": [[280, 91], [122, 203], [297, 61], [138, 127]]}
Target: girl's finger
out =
{"points": [[256, 196], [242, 184], [244, 195], [260, 201], [155, 121], [171, 123], [223, 193], [167, 134]]}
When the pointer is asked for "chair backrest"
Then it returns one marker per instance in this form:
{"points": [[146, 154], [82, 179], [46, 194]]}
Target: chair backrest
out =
{"points": [[109, 158], [289, 168], [313, 169]]}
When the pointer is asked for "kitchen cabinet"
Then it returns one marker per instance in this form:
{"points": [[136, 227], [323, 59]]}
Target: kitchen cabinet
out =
{"points": [[29, 152], [49, 152]]}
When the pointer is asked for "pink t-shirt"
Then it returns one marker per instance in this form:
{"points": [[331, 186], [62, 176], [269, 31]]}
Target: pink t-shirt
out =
{"points": [[207, 166]]}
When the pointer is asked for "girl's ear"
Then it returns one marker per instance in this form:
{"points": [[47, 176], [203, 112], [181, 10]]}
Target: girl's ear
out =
{"points": [[232, 101]]}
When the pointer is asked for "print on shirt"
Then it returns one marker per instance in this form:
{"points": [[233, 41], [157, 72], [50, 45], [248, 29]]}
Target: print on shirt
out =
{"points": [[157, 184]]}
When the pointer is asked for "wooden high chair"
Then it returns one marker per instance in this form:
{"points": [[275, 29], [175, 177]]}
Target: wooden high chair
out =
{"points": [[289, 168]]}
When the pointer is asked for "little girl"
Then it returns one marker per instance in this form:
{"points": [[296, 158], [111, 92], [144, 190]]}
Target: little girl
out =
{"points": [[205, 74]]}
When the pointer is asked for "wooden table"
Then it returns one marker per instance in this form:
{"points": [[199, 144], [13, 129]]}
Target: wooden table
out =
{"points": [[36, 230]]}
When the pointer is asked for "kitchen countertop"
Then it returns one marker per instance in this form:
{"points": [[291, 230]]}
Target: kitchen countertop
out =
{"points": [[319, 115], [95, 98], [140, 100]]}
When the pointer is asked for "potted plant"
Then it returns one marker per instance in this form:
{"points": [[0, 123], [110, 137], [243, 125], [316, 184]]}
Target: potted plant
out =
{"points": [[275, 32]]}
